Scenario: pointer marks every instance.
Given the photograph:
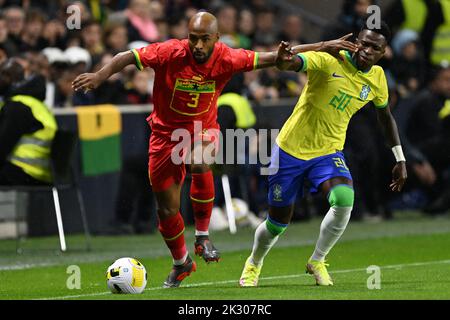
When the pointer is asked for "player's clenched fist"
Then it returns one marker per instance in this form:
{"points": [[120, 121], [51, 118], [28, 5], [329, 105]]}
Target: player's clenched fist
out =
{"points": [[86, 82], [285, 52]]}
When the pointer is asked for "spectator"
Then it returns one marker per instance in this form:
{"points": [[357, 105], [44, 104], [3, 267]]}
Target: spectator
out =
{"points": [[178, 28], [139, 90], [58, 63], [111, 91], [116, 38], [3, 54], [15, 22], [266, 32], [63, 89], [91, 36], [32, 39], [55, 34], [350, 20], [425, 125], [74, 34], [6, 43], [257, 89], [434, 34], [163, 29], [27, 128], [409, 15], [292, 30], [227, 20], [408, 67], [139, 22], [247, 24]]}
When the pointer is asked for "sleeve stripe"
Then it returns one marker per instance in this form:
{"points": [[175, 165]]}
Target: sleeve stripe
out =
{"points": [[138, 59], [305, 62], [255, 61], [382, 106]]}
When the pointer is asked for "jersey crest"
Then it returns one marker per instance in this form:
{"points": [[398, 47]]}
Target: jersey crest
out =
{"points": [[364, 92]]}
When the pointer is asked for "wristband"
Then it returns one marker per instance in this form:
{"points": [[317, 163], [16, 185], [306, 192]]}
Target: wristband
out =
{"points": [[398, 153]]}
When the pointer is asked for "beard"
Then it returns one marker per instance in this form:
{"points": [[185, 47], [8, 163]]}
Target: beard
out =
{"points": [[201, 57]]}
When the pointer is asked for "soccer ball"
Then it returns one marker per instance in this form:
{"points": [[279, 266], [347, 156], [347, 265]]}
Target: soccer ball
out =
{"points": [[126, 275]]}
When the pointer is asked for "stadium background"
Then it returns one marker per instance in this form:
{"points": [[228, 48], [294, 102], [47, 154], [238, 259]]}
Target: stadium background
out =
{"points": [[35, 32]]}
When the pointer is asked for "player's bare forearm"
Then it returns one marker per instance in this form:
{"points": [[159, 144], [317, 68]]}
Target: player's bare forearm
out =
{"points": [[319, 46], [389, 126], [89, 81], [266, 59], [399, 173], [269, 59], [117, 64]]}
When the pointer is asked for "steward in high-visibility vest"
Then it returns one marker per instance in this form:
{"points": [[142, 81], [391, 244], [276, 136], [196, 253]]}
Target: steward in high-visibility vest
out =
{"points": [[440, 48], [415, 14], [243, 112], [27, 129], [32, 152]]}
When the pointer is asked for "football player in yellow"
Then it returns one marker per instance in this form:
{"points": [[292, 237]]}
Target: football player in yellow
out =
{"points": [[311, 141]]}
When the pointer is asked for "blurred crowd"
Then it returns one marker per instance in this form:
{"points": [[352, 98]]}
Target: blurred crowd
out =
{"points": [[416, 65]]}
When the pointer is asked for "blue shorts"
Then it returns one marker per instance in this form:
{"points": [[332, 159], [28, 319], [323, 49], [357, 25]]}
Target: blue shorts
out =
{"points": [[287, 181]]}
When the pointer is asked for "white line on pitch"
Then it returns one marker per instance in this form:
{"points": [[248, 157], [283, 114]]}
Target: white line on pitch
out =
{"points": [[394, 266]]}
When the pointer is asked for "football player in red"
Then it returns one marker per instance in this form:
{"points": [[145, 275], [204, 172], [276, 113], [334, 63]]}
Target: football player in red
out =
{"points": [[189, 77]]}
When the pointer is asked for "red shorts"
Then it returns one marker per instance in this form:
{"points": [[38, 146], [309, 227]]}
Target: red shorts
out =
{"points": [[166, 161]]}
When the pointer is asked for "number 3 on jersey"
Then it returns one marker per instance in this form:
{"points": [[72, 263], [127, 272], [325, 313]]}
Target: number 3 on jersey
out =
{"points": [[191, 97], [195, 97]]}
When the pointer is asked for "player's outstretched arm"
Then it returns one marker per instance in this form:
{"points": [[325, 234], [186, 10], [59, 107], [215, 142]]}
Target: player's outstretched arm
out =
{"points": [[389, 126], [332, 46], [287, 58], [285, 54], [89, 81]]}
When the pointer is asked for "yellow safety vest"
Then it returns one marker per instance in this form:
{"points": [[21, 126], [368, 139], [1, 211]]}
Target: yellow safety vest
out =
{"points": [[32, 152], [441, 42], [415, 14], [245, 117]]}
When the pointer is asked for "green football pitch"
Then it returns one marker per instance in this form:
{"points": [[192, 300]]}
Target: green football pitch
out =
{"points": [[412, 252]]}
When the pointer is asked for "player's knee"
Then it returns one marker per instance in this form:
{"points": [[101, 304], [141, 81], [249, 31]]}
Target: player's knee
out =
{"points": [[275, 228], [167, 212], [341, 195]]}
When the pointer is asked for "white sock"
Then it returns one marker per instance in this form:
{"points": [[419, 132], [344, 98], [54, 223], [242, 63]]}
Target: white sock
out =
{"points": [[331, 229], [264, 240], [201, 233], [181, 261]]}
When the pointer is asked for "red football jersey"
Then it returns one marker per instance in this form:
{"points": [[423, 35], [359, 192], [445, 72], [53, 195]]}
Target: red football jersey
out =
{"points": [[185, 91]]}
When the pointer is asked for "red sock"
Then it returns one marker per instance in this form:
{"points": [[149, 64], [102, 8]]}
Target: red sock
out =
{"points": [[202, 198], [172, 230]]}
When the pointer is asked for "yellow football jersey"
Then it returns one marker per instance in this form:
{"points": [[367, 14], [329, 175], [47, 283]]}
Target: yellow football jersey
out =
{"points": [[335, 91]]}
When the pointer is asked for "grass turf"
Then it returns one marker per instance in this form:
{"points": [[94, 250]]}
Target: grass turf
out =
{"points": [[412, 252]]}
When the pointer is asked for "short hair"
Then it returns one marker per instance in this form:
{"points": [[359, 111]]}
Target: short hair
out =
{"points": [[383, 29], [434, 71], [14, 69]]}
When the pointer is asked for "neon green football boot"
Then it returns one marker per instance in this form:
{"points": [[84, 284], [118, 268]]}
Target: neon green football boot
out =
{"points": [[319, 270], [250, 274]]}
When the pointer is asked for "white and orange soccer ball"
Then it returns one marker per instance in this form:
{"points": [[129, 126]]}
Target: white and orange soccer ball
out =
{"points": [[126, 275]]}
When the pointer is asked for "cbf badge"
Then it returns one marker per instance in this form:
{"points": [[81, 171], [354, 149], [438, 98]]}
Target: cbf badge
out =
{"points": [[277, 192], [364, 92]]}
